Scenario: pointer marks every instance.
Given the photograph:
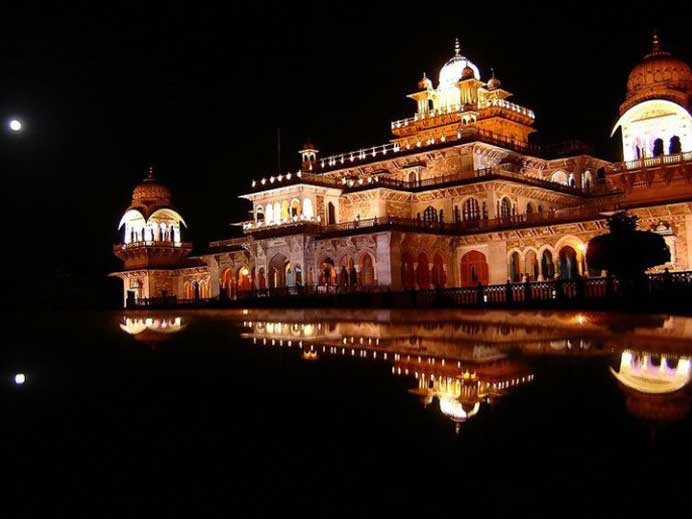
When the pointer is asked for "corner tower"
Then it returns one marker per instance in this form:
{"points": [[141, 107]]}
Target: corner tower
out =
{"points": [[151, 245], [655, 118]]}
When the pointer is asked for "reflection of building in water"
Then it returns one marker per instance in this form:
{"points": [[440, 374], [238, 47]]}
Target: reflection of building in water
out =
{"points": [[151, 329], [462, 389], [656, 387], [464, 367]]}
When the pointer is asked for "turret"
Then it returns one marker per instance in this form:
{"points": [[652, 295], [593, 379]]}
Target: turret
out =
{"points": [[308, 155]]}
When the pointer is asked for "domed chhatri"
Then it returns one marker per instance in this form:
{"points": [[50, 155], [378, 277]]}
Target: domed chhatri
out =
{"points": [[150, 190], [494, 83], [659, 75], [425, 83], [655, 114]]}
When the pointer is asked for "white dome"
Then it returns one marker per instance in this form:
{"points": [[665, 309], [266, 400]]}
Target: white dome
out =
{"points": [[452, 71]]}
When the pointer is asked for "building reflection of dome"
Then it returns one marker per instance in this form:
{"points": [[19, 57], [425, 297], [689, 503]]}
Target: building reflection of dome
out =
{"points": [[151, 329], [655, 391]]}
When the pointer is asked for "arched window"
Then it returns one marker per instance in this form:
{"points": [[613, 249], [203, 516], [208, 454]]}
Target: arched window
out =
{"points": [[586, 181], [559, 177], [430, 214], [675, 145], [295, 208], [529, 208], [658, 148], [471, 210], [505, 208], [412, 177], [307, 208], [331, 214], [270, 213], [259, 213]]}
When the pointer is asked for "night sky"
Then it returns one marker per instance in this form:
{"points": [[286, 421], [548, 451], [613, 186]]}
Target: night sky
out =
{"points": [[199, 92]]}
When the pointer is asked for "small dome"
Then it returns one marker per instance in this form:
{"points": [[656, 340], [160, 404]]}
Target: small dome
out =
{"points": [[494, 83], [468, 73], [660, 75], [151, 190], [425, 83]]}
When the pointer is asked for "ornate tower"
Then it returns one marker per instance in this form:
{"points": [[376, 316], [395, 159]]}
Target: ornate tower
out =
{"points": [[308, 155], [655, 118], [151, 245]]}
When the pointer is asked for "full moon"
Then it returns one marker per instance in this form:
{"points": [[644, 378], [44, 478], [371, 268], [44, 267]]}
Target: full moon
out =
{"points": [[15, 125]]}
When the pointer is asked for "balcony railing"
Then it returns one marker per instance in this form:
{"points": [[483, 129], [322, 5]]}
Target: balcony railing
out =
{"points": [[457, 109], [493, 173], [468, 226], [161, 244], [466, 134], [653, 162], [667, 288]]}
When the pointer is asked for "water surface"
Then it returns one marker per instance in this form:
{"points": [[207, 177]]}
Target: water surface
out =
{"points": [[348, 412]]}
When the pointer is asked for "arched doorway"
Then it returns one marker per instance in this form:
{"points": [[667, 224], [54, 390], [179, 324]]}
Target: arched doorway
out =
{"points": [[515, 267], [408, 274], [569, 268], [328, 272], [195, 290], [531, 266], [347, 272], [439, 277], [423, 272], [227, 282], [547, 265], [474, 269], [298, 273], [261, 279], [277, 271], [367, 271], [244, 284]]}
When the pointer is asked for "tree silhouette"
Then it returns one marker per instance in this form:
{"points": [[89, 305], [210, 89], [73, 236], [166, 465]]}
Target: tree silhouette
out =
{"points": [[624, 251]]}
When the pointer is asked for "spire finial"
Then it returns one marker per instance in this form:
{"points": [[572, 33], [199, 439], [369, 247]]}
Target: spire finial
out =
{"points": [[656, 44], [457, 47], [492, 71]]}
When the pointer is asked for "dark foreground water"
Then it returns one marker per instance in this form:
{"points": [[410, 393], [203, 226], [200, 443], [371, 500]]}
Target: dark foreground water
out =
{"points": [[278, 413]]}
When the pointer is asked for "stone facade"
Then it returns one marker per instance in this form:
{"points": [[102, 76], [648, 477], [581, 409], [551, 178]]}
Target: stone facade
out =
{"points": [[458, 197]]}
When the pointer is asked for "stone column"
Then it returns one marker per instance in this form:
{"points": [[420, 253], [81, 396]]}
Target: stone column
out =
{"points": [[387, 261]]}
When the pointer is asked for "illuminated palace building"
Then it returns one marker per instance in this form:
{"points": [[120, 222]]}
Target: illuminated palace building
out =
{"points": [[459, 196]]}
